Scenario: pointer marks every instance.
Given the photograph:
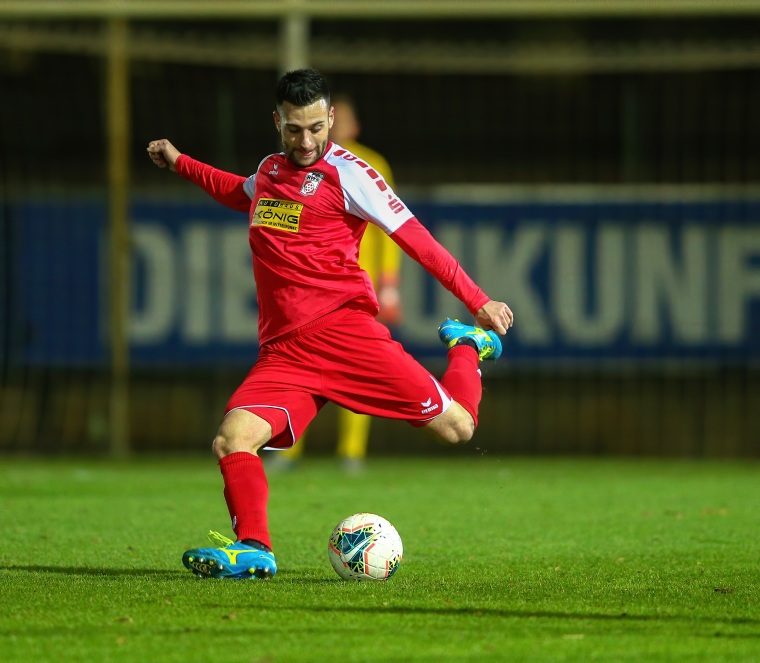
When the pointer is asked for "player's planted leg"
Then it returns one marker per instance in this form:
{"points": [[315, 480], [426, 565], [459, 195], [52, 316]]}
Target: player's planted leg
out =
{"points": [[246, 492]]}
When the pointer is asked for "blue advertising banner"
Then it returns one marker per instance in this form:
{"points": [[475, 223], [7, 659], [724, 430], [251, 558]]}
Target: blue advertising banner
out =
{"points": [[599, 277]]}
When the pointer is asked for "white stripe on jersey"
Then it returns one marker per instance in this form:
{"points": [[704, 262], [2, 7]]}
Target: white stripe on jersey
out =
{"points": [[445, 400], [249, 186], [366, 194]]}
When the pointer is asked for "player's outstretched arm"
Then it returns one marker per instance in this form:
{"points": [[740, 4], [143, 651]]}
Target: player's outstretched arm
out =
{"points": [[418, 243], [226, 188], [495, 315], [163, 154]]}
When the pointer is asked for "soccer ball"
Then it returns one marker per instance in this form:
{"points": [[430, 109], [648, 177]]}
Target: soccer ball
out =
{"points": [[365, 547]]}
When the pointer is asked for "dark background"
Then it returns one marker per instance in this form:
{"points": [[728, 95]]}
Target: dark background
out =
{"points": [[675, 120]]}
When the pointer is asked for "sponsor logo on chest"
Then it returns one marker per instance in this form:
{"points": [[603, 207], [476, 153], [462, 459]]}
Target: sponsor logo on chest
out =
{"points": [[311, 183], [280, 214]]}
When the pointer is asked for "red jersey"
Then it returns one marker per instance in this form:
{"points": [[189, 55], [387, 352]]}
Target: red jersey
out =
{"points": [[305, 229]]}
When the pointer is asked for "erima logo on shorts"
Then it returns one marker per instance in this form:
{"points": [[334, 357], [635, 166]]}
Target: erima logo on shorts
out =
{"points": [[427, 409], [445, 400], [280, 214]]}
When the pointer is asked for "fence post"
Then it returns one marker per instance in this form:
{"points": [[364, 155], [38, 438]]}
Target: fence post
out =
{"points": [[294, 41], [118, 123]]}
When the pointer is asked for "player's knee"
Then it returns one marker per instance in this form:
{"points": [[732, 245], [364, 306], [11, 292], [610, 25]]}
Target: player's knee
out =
{"points": [[221, 447], [455, 426], [462, 432], [225, 445], [457, 431], [241, 431]]}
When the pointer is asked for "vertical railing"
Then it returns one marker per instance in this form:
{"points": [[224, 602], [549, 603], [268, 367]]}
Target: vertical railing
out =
{"points": [[118, 123], [294, 40]]}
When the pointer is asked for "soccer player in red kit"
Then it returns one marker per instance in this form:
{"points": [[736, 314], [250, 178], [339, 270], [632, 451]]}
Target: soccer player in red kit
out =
{"points": [[308, 207]]}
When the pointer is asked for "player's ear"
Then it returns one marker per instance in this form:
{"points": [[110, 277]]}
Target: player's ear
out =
{"points": [[276, 118], [331, 117]]}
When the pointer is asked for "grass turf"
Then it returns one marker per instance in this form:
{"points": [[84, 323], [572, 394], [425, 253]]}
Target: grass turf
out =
{"points": [[505, 559]]}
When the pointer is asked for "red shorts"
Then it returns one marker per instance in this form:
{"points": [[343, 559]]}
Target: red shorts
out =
{"points": [[346, 357]]}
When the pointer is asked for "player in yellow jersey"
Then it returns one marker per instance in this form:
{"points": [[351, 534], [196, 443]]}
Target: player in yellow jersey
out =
{"points": [[380, 257]]}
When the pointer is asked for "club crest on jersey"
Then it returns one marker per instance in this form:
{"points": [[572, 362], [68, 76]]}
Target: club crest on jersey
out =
{"points": [[310, 184]]}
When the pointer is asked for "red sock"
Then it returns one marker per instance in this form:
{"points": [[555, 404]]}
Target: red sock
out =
{"points": [[247, 492], [462, 378]]}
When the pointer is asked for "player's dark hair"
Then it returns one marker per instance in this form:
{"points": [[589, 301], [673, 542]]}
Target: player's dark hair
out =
{"points": [[302, 87]]}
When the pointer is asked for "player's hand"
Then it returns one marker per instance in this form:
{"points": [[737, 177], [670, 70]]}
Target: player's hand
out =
{"points": [[495, 315], [163, 153]]}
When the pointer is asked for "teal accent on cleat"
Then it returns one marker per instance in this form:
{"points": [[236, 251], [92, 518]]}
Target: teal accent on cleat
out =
{"points": [[451, 332], [234, 561]]}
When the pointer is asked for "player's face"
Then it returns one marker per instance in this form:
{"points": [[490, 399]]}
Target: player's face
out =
{"points": [[304, 130]]}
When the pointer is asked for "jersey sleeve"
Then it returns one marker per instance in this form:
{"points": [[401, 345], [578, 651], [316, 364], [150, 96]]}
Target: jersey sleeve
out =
{"points": [[227, 188], [418, 243], [368, 196], [388, 253]]}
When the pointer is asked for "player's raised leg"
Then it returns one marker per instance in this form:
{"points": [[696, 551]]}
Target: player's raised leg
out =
{"points": [[468, 346], [246, 491]]}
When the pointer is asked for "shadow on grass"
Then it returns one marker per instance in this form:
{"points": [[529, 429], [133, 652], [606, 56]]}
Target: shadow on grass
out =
{"points": [[517, 614], [95, 572], [296, 579], [291, 577]]}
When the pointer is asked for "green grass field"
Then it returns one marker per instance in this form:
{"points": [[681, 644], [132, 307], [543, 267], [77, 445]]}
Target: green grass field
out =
{"points": [[506, 559]]}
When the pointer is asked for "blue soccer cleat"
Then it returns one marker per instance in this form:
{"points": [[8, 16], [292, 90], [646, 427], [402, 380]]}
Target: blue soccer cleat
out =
{"points": [[234, 560], [451, 332]]}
